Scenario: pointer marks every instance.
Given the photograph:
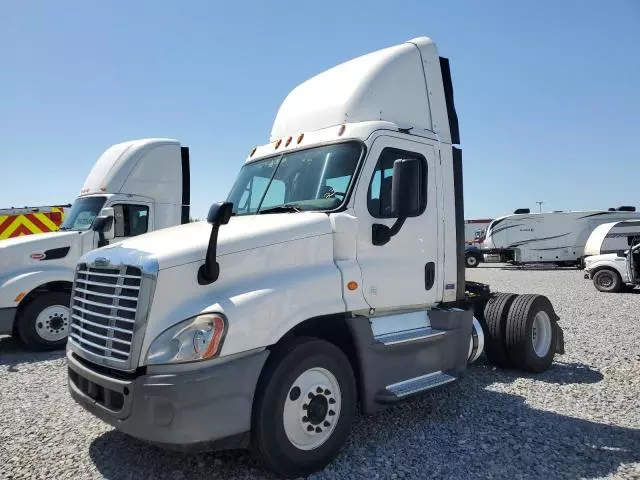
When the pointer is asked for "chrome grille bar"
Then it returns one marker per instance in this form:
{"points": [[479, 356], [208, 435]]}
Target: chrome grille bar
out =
{"points": [[101, 301]]}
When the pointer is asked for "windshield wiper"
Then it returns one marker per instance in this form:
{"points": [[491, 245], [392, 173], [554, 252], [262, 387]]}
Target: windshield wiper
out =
{"points": [[290, 208], [64, 228]]}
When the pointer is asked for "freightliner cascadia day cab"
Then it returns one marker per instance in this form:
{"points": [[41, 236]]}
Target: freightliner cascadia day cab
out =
{"points": [[134, 187], [333, 273], [554, 237]]}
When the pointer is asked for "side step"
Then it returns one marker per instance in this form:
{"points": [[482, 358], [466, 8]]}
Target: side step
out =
{"points": [[406, 336], [401, 390]]}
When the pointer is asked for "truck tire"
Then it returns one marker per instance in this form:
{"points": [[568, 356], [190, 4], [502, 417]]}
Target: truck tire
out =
{"points": [[531, 332], [607, 280], [472, 260], [44, 323], [304, 407], [494, 324]]}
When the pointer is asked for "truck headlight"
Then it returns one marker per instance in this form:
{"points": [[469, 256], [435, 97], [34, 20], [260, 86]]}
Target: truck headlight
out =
{"points": [[197, 338]]}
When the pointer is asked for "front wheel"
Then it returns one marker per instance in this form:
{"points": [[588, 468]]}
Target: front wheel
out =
{"points": [[304, 407], [472, 260], [44, 323], [607, 281]]}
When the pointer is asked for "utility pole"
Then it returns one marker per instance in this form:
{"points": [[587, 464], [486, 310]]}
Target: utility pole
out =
{"points": [[540, 206]]}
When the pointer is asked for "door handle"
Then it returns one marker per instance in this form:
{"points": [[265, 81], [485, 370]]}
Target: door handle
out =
{"points": [[429, 275]]}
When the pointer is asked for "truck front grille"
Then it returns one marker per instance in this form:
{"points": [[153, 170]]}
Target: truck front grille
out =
{"points": [[104, 307]]}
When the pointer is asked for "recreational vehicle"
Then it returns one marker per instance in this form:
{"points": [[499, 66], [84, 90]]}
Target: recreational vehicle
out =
{"points": [[614, 237], [556, 237]]}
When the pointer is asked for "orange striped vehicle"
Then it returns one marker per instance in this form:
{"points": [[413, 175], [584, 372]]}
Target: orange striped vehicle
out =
{"points": [[15, 222]]}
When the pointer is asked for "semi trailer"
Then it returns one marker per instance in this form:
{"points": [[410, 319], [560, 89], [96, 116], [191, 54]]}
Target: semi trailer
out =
{"points": [[555, 237], [17, 222], [134, 187], [332, 274], [474, 230]]}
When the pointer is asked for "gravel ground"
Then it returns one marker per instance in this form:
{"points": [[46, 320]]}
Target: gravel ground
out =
{"points": [[581, 419]]}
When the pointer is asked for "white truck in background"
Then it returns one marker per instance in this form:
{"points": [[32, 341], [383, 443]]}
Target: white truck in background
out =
{"points": [[333, 273], [135, 187], [612, 272], [555, 237]]}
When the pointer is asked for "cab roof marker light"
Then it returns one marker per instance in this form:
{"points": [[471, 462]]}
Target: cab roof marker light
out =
{"points": [[343, 127], [278, 142], [253, 151], [286, 144], [300, 137]]}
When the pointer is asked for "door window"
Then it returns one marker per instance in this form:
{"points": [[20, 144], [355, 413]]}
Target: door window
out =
{"points": [[130, 219], [379, 194]]}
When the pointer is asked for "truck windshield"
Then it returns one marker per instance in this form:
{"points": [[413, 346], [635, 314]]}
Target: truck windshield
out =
{"points": [[312, 179], [82, 214]]}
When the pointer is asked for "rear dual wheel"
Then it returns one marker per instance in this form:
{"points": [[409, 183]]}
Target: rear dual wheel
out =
{"points": [[520, 331]]}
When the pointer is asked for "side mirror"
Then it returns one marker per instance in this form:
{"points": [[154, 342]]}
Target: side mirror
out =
{"points": [[104, 225], [406, 189], [219, 214]]}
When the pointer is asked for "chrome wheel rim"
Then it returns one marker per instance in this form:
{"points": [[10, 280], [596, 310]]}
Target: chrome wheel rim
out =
{"points": [[312, 408], [541, 333], [52, 323]]}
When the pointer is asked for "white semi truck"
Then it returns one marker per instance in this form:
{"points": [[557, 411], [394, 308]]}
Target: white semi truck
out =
{"points": [[136, 187], [333, 273]]}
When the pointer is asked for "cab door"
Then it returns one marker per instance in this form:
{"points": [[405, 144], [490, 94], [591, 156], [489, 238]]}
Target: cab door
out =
{"points": [[632, 259], [404, 271]]}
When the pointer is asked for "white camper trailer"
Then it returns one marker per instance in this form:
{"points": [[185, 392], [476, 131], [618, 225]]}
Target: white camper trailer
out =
{"points": [[556, 237], [614, 237]]}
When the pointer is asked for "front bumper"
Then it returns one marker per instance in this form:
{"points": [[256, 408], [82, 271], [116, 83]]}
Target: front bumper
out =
{"points": [[200, 409], [7, 317]]}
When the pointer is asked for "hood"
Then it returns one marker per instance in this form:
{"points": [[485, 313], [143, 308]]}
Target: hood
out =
{"points": [[188, 243], [606, 257], [18, 251]]}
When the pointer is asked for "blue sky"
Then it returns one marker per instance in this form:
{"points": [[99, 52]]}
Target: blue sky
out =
{"points": [[547, 92]]}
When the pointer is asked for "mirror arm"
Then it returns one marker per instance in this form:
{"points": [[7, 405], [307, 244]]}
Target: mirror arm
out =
{"points": [[381, 234], [209, 271], [101, 240]]}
